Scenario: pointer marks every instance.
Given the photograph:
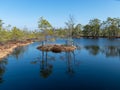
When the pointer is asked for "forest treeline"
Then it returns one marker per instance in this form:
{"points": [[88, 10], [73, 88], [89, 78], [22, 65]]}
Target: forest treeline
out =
{"points": [[110, 28], [14, 34]]}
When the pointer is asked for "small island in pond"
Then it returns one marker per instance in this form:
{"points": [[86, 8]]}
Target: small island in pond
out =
{"points": [[57, 48]]}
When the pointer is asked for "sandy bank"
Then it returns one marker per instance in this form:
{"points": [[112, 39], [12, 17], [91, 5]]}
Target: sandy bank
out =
{"points": [[7, 49]]}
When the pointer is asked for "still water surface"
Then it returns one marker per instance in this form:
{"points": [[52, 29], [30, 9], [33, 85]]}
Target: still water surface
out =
{"points": [[95, 65]]}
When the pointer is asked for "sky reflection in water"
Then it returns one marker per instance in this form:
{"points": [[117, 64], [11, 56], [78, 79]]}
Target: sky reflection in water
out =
{"points": [[94, 65]]}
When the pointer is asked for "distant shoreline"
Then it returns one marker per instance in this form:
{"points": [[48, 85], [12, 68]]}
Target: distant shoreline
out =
{"points": [[113, 37], [8, 48], [5, 50]]}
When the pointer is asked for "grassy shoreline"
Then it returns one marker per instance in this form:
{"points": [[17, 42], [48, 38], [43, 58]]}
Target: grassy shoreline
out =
{"points": [[7, 49]]}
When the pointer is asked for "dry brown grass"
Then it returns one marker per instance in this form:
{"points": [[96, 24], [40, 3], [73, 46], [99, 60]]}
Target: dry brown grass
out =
{"points": [[56, 48], [9, 47]]}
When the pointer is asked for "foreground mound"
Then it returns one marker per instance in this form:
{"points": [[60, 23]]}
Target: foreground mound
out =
{"points": [[56, 48]]}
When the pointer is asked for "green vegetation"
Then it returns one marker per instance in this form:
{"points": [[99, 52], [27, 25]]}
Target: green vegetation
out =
{"points": [[45, 27], [94, 29], [110, 28], [17, 35]]}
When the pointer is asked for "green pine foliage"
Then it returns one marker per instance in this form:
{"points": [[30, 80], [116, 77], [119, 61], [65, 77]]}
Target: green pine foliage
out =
{"points": [[110, 28]]}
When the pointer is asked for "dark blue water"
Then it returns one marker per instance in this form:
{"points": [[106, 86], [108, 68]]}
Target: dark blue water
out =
{"points": [[95, 65]]}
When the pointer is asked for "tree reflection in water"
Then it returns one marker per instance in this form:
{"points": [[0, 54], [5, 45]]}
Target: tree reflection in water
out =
{"points": [[18, 52], [94, 50], [45, 66], [108, 51], [111, 51], [2, 69], [70, 59]]}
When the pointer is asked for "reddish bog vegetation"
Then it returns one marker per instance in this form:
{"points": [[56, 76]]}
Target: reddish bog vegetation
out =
{"points": [[56, 48]]}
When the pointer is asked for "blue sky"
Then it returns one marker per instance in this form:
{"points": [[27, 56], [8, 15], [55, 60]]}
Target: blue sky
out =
{"points": [[23, 13]]}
